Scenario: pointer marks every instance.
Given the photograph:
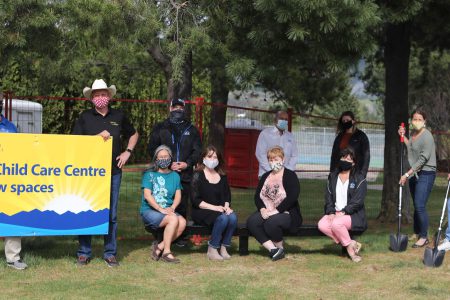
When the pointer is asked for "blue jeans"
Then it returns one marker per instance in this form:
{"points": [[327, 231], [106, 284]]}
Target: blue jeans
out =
{"points": [[110, 243], [420, 190], [223, 229]]}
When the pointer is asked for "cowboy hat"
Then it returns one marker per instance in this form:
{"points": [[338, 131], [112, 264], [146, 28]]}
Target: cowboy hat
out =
{"points": [[99, 84]]}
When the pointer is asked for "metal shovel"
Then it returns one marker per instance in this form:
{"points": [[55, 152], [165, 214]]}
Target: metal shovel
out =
{"points": [[432, 257], [399, 242]]}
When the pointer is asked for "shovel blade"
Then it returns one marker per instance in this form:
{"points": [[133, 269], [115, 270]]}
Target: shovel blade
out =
{"points": [[398, 242], [432, 257]]}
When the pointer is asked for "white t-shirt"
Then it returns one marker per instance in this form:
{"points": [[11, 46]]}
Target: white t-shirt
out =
{"points": [[341, 194], [270, 137]]}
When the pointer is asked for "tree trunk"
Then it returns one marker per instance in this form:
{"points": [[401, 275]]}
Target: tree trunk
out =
{"points": [[183, 89], [175, 90], [396, 62], [219, 95]]}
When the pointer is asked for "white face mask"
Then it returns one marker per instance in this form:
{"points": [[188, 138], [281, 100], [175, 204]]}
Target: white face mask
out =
{"points": [[276, 166], [417, 125], [210, 163]]}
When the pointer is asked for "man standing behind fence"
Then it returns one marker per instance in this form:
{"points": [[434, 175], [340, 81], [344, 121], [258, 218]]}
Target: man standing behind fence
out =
{"points": [[13, 245], [106, 122], [184, 140], [276, 136]]}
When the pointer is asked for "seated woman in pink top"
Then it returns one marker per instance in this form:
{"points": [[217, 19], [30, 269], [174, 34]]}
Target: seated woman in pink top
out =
{"points": [[344, 204], [276, 199]]}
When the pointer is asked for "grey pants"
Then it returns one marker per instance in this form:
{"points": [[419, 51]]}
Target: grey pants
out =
{"points": [[13, 246]]}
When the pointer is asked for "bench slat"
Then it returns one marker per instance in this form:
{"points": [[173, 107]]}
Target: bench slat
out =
{"points": [[306, 230]]}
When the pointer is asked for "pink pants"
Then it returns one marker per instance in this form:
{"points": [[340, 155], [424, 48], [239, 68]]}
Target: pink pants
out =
{"points": [[337, 228]]}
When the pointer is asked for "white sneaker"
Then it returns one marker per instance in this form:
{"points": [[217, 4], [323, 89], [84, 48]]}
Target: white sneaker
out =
{"points": [[445, 245], [18, 265]]}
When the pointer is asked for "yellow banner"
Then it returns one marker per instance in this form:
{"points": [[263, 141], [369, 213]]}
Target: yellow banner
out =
{"points": [[54, 184]]}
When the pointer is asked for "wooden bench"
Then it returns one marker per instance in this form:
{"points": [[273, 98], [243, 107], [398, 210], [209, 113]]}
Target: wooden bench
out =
{"points": [[191, 229], [243, 233]]}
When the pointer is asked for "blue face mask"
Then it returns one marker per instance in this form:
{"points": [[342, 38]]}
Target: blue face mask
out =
{"points": [[282, 124]]}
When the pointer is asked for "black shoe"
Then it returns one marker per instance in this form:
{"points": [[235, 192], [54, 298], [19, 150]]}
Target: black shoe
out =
{"points": [[272, 252], [182, 242], [276, 254]]}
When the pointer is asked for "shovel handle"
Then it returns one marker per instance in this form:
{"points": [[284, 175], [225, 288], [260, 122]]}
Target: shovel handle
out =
{"points": [[402, 138]]}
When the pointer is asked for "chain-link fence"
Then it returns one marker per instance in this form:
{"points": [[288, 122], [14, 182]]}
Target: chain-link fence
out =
{"points": [[314, 136]]}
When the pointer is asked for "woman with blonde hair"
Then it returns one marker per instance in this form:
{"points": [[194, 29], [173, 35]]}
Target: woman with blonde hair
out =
{"points": [[276, 199]]}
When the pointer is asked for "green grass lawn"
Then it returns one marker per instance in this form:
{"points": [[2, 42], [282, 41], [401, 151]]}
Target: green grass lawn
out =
{"points": [[313, 268]]}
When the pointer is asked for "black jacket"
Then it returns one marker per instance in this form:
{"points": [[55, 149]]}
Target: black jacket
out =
{"points": [[184, 141], [290, 203], [357, 189], [360, 143]]}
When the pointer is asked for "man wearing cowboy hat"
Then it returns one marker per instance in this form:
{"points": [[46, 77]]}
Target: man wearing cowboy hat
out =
{"points": [[106, 122]]}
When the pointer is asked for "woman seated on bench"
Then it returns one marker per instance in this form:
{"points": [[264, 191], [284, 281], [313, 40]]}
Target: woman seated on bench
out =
{"points": [[211, 199], [276, 200], [344, 204], [161, 194]]}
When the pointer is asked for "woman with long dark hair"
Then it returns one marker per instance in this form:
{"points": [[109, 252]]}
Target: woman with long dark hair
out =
{"points": [[344, 204], [211, 203], [349, 135]]}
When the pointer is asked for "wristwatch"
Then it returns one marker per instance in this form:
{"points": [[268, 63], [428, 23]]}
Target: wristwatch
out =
{"points": [[130, 150], [407, 175]]}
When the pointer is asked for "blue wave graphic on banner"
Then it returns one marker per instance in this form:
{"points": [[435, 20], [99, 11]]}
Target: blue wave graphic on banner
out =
{"points": [[14, 230], [51, 220]]}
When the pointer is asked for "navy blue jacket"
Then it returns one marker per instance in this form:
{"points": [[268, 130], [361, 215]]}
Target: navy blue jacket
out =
{"points": [[357, 190]]}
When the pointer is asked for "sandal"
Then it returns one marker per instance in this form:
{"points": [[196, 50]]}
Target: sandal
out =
{"points": [[357, 248], [355, 258], [426, 242], [155, 255], [165, 257]]}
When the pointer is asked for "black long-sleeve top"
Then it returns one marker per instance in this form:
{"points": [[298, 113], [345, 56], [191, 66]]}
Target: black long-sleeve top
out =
{"points": [[290, 204], [211, 193], [360, 143]]}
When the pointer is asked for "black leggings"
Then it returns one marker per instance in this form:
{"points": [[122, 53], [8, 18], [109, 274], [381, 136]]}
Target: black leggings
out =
{"points": [[270, 229]]}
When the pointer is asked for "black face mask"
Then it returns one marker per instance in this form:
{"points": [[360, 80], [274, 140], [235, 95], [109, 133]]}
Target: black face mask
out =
{"points": [[344, 165], [347, 125], [176, 116]]}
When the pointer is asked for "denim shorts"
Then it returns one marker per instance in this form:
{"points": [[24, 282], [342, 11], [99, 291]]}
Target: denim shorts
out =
{"points": [[153, 218]]}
